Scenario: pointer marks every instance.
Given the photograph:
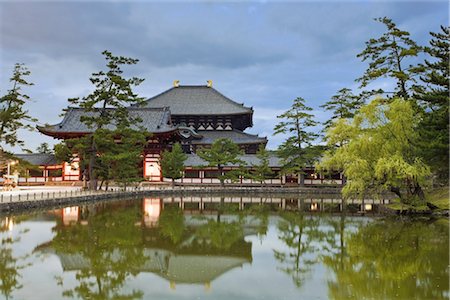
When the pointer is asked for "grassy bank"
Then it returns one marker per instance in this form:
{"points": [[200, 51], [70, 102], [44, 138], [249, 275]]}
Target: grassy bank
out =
{"points": [[438, 197]]}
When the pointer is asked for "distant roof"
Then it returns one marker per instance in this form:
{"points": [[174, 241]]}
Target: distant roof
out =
{"points": [[238, 137], [39, 159], [197, 100], [155, 120], [193, 160]]}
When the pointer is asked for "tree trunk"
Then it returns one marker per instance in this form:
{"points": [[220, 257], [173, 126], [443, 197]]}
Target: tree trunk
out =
{"points": [[301, 176], [173, 183], [396, 190], [222, 180], [92, 160]]}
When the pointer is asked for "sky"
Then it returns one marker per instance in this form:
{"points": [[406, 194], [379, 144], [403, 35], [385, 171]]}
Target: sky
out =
{"points": [[263, 54]]}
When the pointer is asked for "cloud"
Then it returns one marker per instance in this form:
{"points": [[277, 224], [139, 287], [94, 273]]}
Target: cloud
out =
{"points": [[263, 54]]}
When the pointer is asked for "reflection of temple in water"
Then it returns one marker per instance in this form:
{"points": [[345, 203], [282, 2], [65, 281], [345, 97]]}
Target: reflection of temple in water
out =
{"points": [[194, 259]]}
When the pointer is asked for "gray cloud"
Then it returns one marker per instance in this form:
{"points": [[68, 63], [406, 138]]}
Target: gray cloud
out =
{"points": [[262, 54]]}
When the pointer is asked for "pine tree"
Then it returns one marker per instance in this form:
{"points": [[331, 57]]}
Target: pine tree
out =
{"points": [[222, 152], [433, 95], [13, 116], [343, 105], [262, 171], [294, 151], [172, 163], [112, 90], [388, 57], [44, 148]]}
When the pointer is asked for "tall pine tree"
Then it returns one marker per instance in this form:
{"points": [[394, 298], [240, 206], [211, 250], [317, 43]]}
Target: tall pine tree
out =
{"points": [[343, 105], [295, 151], [388, 57], [112, 90], [433, 95], [13, 115]]}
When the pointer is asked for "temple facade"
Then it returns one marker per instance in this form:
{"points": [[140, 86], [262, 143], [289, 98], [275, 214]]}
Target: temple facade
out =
{"points": [[192, 115]]}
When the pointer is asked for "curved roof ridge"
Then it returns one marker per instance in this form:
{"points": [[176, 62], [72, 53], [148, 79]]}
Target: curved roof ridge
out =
{"points": [[151, 98], [197, 100], [251, 134], [230, 100]]}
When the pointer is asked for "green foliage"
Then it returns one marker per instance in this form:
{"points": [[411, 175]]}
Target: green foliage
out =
{"points": [[392, 259], [172, 162], [221, 153], [13, 116], [379, 151], [111, 91], [262, 171], [111, 244], [171, 223], [434, 98], [221, 235], [295, 151], [119, 154], [343, 105], [110, 99], [388, 56], [44, 148], [301, 235], [63, 152]]}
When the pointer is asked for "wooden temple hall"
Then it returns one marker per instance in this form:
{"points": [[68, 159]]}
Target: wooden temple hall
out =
{"points": [[194, 116]]}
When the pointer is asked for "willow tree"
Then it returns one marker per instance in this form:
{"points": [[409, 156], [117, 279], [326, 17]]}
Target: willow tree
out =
{"points": [[389, 56], [112, 90], [13, 115], [379, 153], [296, 151]]}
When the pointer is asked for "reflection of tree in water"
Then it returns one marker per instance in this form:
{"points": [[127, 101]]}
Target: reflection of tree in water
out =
{"points": [[171, 224], [334, 248], [390, 259], [300, 234], [110, 243], [224, 234], [9, 264]]}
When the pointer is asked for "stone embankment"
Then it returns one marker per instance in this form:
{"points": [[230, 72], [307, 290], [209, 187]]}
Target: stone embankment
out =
{"points": [[36, 200]]}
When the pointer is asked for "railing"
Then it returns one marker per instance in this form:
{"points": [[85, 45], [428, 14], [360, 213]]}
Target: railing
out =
{"points": [[23, 196]]}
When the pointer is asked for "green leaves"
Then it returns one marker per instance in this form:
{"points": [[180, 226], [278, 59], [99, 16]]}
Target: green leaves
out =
{"points": [[344, 105], [111, 91], [386, 56], [295, 149], [222, 152], [377, 150], [172, 162], [13, 116]]}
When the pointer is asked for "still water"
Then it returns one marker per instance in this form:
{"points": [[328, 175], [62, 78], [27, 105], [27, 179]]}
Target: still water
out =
{"points": [[175, 249]]}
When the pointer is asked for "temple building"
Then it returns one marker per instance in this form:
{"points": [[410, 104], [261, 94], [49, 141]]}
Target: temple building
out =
{"points": [[192, 115]]}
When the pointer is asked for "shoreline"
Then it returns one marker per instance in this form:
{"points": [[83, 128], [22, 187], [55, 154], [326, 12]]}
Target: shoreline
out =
{"points": [[24, 203]]}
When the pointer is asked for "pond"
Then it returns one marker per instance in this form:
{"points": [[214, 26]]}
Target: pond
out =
{"points": [[229, 248]]}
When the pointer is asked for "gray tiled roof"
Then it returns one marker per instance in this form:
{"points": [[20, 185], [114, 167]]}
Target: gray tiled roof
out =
{"points": [[153, 120], [194, 160], [38, 159], [238, 137], [197, 100]]}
